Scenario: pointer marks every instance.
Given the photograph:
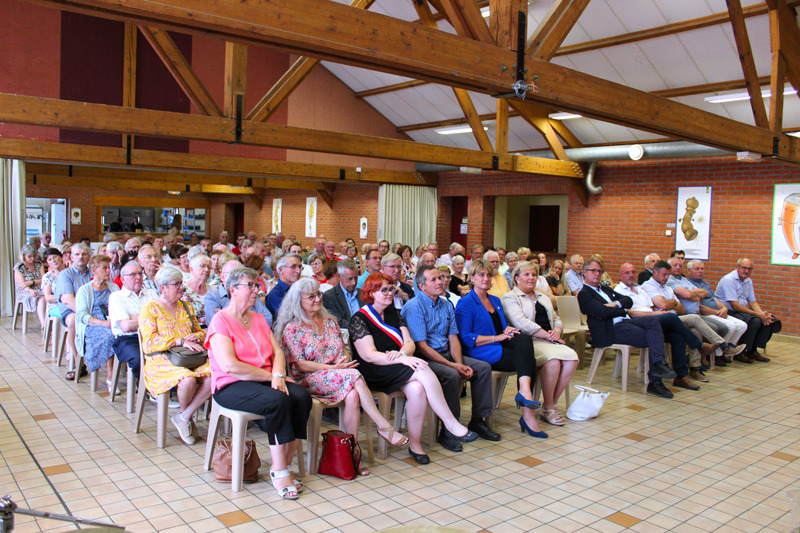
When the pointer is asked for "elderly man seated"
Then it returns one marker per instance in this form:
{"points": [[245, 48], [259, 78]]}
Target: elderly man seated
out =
{"points": [[574, 276], [499, 283], [447, 259], [609, 324], [219, 297], [148, 260], [664, 298], [344, 300], [288, 267], [714, 310], [372, 265], [431, 321], [735, 289], [649, 262], [124, 307], [69, 281], [675, 331]]}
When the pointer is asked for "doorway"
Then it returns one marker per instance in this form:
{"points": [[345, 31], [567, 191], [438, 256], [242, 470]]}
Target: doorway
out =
{"points": [[543, 227], [459, 222]]}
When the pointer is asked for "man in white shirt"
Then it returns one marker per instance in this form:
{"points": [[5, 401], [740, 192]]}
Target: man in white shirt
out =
{"points": [[124, 307], [664, 298], [223, 240], [447, 259], [574, 277], [675, 331]]}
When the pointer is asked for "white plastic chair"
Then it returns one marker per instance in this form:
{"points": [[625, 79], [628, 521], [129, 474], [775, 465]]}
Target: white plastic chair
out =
{"points": [[623, 359]]}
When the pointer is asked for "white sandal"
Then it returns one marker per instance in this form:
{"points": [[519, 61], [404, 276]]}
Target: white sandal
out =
{"points": [[297, 482], [285, 491], [552, 417]]}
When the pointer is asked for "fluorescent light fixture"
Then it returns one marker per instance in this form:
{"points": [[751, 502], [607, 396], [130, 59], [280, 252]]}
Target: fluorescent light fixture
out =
{"points": [[794, 134], [456, 129], [485, 12], [563, 116], [737, 97], [174, 192], [747, 156]]}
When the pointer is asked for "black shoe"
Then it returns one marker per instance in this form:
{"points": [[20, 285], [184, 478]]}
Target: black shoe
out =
{"points": [[657, 388], [420, 458], [755, 356], [660, 370], [704, 367], [449, 442], [464, 391], [331, 415], [479, 426], [720, 361], [468, 437]]}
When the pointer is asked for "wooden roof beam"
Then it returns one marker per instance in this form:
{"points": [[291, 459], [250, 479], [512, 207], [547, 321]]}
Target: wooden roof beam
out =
{"points": [[748, 64], [550, 35], [181, 70], [235, 77], [788, 40]]}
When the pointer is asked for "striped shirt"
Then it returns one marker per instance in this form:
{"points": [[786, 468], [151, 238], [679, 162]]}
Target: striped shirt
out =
{"points": [[430, 321]]}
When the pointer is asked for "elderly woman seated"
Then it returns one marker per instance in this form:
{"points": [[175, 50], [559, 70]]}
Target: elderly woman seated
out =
{"points": [[248, 374], [531, 312], [93, 336], [486, 335], [54, 267], [314, 348], [385, 352], [459, 280], [512, 260], [499, 284], [164, 323], [28, 279], [196, 287]]}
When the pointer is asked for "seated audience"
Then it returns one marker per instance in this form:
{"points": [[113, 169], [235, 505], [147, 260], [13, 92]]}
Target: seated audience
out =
{"points": [[93, 336], [459, 280], [150, 263], [164, 323], [67, 285], [664, 298], [609, 324], [214, 278], [314, 349], [343, 300], [553, 278], [195, 288], [541, 284], [289, 266], [409, 269], [331, 273], [447, 259], [675, 331], [486, 335], [476, 252], [116, 253], [543, 262], [432, 325], [605, 279], [532, 313], [52, 257], [391, 266], [223, 240], [714, 310], [503, 265], [417, 254], [499, 284], [352, 253], [574, 276], [650, 261], [28, 279], [66, 253], [317, 263], [218, 298], [735, 289], [385, 351], [124, 307], [524, 253], [444, 275], [512, 260], [372, 265], [248, 373]]}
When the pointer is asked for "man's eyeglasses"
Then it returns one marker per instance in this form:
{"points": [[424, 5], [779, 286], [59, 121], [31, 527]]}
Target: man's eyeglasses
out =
{"points": [[250, 286], [747, 269], [135, 274], [595, 270], [313, 297], [386, 291], [392, 267]]}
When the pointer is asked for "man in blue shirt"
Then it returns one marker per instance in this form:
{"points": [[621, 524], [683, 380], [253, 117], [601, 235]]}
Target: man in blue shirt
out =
{"points": [[288, 267], [372, 265], [736, 292], [432, 323], [218, 298], [69, 281], [575, 277]]}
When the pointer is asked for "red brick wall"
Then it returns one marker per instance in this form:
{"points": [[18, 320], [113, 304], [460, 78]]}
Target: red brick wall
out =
{"points": [[629, 219]]}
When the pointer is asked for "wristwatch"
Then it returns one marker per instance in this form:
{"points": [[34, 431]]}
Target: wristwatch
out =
{"points": [[179, 342], [278, 375]]}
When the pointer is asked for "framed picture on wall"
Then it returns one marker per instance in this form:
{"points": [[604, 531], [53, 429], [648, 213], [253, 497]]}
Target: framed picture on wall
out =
{"points": [[693, 222], [786, 224]]}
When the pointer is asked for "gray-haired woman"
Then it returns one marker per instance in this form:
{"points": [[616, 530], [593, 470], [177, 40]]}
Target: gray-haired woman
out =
{"points": [[248, 374], [196, 287], [28, 278], [315, 350], [164, 323]]}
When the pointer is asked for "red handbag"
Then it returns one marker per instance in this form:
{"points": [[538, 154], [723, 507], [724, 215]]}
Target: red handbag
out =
{"points": [[340, 455]]}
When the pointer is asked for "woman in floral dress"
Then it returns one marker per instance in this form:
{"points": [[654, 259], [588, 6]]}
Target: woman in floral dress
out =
{"points": [[28, 277], [314, 348]]}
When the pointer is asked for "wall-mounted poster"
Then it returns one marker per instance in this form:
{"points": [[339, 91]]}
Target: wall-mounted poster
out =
{"points": [[311, 216], [277, 207], [786, 225], [362, 231], [693, 222]]}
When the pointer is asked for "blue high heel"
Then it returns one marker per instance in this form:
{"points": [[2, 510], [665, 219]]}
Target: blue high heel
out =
{"points": [[522, 402], [524, 427]]}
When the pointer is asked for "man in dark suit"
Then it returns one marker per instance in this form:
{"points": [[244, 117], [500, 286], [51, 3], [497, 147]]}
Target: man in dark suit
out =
{"points": [[344, 300], [392, 266], [609, 324], [649, 261]]}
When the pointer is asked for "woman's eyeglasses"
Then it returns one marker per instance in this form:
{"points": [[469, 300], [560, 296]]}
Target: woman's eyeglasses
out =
{"points": [[314, 297], [386, 291], [250, 286]]}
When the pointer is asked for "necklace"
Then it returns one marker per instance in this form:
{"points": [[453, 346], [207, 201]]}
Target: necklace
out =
{"points": [[242, 320]]}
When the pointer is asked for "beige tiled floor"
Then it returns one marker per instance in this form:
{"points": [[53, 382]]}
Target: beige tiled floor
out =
{"points": [[719, 459]]}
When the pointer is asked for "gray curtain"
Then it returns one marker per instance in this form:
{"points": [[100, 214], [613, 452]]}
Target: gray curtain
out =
{"points": [[407, 214], [12, 227]]}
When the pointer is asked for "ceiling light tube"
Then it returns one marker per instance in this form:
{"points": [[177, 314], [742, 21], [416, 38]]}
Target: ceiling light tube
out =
{"points": [[563, 116], [452, 130], [485, 12], [737, 97]]}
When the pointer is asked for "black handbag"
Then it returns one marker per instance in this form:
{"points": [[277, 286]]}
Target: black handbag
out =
{"points": [[184, 357]]}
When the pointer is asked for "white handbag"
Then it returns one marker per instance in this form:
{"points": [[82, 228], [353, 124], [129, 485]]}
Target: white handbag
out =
{"points": [[587, 405]]}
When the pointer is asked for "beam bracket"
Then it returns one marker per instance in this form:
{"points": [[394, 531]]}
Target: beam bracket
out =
{"points": [[128, 150], [495, 162], [776, 144], [249, 182], [239, 110], [342, 174], [520, 86], [188, 188]]}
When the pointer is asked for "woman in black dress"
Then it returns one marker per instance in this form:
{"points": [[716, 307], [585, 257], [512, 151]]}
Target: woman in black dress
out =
{"points": [[384, 349]]}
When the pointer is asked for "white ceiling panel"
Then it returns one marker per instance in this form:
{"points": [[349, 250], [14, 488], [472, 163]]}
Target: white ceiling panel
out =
{"points": [[758, 33], [634, 67], [595, 63], [599, 22], [713, 53], [637, 15], [395, 108], [671, 59], [614, 132], [680, 10], [365, 79], [585, 131]]}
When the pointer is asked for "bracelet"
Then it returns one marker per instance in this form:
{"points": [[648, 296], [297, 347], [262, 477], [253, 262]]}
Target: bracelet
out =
{"points": [[492, 339]]}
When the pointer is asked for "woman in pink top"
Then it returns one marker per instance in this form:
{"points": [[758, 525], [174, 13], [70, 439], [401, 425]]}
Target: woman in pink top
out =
{"points": [[248, 374]]}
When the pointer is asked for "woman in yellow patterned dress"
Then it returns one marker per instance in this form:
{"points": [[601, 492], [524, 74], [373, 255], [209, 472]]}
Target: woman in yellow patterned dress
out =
{"points": [[164, 323]]}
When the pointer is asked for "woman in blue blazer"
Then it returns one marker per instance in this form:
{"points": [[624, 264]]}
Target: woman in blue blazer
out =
{"points": [[486, 335]]}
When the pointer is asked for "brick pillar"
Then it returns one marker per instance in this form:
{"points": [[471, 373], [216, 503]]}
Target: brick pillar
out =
{"points": [[481, 221], [444, 222]]}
